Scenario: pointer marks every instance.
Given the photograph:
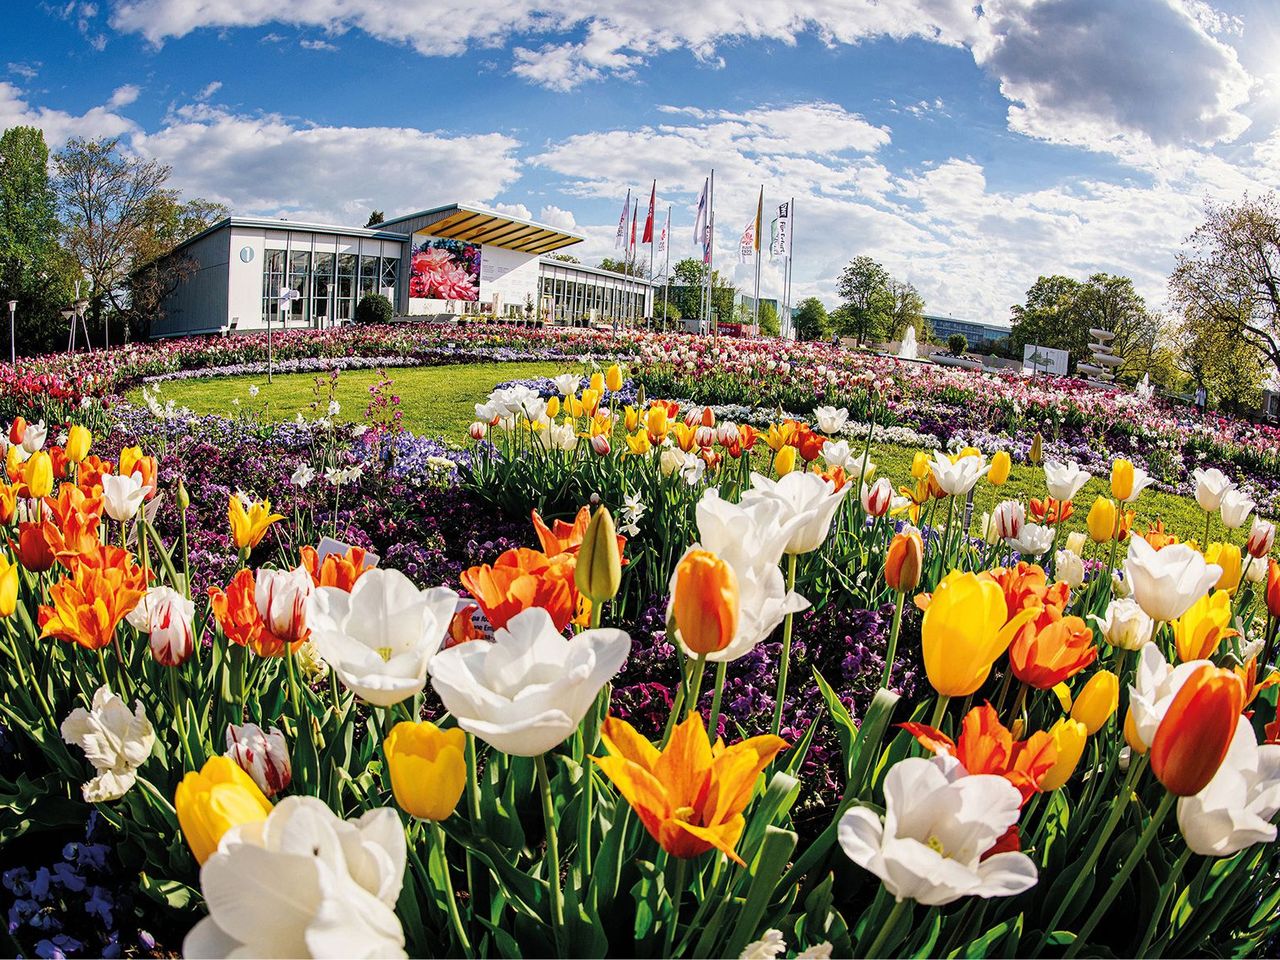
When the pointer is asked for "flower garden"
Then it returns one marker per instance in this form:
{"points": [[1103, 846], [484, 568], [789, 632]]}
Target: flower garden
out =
{"points": [[694, 647]]}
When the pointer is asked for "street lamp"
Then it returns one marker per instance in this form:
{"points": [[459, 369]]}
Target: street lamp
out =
{"points": [[13, 342]]}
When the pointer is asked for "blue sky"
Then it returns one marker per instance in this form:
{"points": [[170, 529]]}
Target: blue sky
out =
{"points": [[969, 148]]}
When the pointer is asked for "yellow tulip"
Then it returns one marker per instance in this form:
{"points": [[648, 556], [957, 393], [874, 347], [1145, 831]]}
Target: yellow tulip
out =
{"points": [[613, 378], [656, 422], [1097, 701], [920, 468], [39, 474], [248, 527], [638, 443], [597, 383], [785, 461], [1199, 631], [8, 587], [1121, 479], [1070, 737], [78, 440], [631, 418], [1036, 455], [1227, 556], [1102, 520], [598, 571], [215, 799], [553, 408], [427, 767], [1000, 466], [1063, 693], [590, 402], [964, 632], [1131, 737]]}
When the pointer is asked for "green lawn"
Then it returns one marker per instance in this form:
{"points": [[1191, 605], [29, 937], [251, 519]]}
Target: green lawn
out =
{"points": [[440, 401]]}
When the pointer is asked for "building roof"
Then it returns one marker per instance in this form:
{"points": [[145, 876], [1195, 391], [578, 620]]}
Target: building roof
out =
{"points": [[599, 271], [972, 324], [275, 224], [473, 224]]}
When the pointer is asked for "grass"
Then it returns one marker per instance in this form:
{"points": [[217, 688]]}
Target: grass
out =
{"points": [[440, 401]]}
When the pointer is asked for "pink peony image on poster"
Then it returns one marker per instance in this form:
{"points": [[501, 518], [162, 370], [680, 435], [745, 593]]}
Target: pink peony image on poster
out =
{"points": [[445, 270]]}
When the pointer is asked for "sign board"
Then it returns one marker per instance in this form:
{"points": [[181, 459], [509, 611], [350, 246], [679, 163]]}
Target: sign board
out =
{"points": [[1037, 359]]}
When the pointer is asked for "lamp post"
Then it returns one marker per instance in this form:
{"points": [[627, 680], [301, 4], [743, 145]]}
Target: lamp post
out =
{"points": [[13, 341]]}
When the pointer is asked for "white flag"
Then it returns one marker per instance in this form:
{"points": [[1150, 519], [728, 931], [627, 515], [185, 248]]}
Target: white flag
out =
{"points": [[662, 237], [622, 222], [747, 246], [782, 240], [700, 218]]}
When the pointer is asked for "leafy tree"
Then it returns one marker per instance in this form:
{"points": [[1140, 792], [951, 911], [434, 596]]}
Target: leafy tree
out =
{"points": [[628, 268], [686, 292], [810, 320], [564, 257], [768, 319], [374, 308], [864, 286], [906, 310], [1212, 356], [375, 217], [957, 344], [1050, 318]]}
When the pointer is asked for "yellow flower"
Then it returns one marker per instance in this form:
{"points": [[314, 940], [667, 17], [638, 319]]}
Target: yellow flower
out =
{"points": [[1000, 466], [964, 632], [1227, 556], [1097, 701], [249, 527], [638, 443], [630, 418], [785, 461], [427, 767], [1102, 520], [779, 435], [39, 475], [8, 587], [1197, 633], [1069, 736], [613, 378], [597, 383], [657, 423], [920, 469], [553, 407], [1121, 479], [215, 799], [78, 440]]}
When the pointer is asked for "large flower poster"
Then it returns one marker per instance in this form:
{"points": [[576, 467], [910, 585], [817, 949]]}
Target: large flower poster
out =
{"points": [[444, 269]]}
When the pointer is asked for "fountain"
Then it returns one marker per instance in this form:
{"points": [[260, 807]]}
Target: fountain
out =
{"points": [[907, 350], [1144, 389]]}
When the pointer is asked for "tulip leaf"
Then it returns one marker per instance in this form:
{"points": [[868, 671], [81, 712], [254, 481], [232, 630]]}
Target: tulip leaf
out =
{"points": [[846, 729], [767, 868]]}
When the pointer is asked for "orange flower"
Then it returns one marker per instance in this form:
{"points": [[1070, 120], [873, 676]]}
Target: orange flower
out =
{"points": [[903, 561], [1157, 537], [780, 435], [93, 599], [686, 436], [1026, 586], [91, 473], [462, 628], [1044, 657], [1192, 739], [338, 570], [132, 461], [808, 443], [562, 537], [704, 602], [71, 527], [70, 501], [987, 746], [836, 475], [32, 548], [8, 503], [1248, 676], [690, 796], [523, 578], [1050, 510], [1273, 588], [237, 614]]}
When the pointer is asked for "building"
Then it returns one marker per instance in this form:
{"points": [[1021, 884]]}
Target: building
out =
{"points": [[449, 261], [981, 336]]}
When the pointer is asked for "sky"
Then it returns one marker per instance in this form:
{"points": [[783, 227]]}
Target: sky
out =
{"points": [[970, 148]]}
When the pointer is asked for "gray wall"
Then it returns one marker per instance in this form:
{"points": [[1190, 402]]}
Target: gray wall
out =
{"points": [[199, 304]]}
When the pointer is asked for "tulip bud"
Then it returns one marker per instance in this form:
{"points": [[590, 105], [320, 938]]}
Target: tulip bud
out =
{"points": [[263, 756], [784, 461], [553, 408], [1121, 479], [704, 602], [600, 445], [172, 637], [1009, 518], [613, 378], [38, 472], [211, 801], [34, 436], [77, 445], [1097, 701], [904, 562], [17, 429], [1196, 730], [597, 383], [8, 587], [1075, 542], [1069, 736], [1000, 466], [1035, 456], [184, 498], [1227, 556], [598, 571], [920, 465], [1261, 536], [33, 550], [1101, 520], [427, 767], [478, 429]]}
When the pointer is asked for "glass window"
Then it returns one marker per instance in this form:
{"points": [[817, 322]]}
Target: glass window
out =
{"points": [[390, 270], [322, 288], [369, 275], [300, 280], [272, 281], [345, 287]]}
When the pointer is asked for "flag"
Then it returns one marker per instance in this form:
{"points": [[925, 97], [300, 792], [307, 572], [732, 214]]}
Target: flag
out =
{"points": [[773, 238], [747, 245], [700, 218], [662, 237], [622, 222], [633, 228], [782, 241], [759, 220], [648, 220]]}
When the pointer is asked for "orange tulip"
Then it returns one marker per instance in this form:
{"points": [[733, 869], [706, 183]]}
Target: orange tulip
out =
{"points": [[808, 443], [32, 548], [563, 537], [92, 470], [132, 461], [17, 429], [705, 602], [236, 610], [1192, 739], [90, 602], [462, 629], [1050, 510], [904, 561], [689, 796], [1157, 537], [338, 570], [1044, 657], [1273, 588], [1026, 586], [523, 578], [1248, 675], [987, 746]]}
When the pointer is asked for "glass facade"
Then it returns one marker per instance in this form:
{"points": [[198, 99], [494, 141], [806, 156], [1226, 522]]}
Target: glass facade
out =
{"points": [[329, 285], [577, 297]]}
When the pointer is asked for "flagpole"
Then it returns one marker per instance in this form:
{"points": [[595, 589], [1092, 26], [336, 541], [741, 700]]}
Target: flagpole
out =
{"points": [[711, 252], [666, 269], [791, 234], [755, 307]]}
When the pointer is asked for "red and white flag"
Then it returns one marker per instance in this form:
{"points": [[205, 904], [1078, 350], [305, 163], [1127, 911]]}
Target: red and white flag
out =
{"points": [[648, 220], [633, 228], [666, 229]]}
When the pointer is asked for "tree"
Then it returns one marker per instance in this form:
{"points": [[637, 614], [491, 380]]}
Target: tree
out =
{"points": [[1229, 368], [864, 288], [1231, 274], [906, 310], [810, 320], [768, 319], [686, 293], [375, 217], [564, 257], [374, 308], [628, 268], [1050, 318], [957, 344]]}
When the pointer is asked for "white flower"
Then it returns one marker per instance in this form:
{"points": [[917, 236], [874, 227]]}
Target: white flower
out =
{"points": [[263, 756], [557, 436], [1141, 480], [122, 497], [334, 408], [1032, 540], [633, 509], [769, 947], [877, 497], [1069, 567], [114, 740], [1009, 518], [957, 479], [1076, 540], [805, 497], [1254, 571], [929, 847], [1125, 624], [1155, 684], [821, 952], [534, 409], [1120, 587], [304, 883], [34, 436], [1064, 480], [1167, 582], [693, 469], [567, 383], [302, 476], [140, 616], [838, 454], [527, 690], [360, 429], [1261, 537], [281, 598], [1235, 808], [831, 419], [1211, 486], [253, 390], [1236, 507], [380, 636]]}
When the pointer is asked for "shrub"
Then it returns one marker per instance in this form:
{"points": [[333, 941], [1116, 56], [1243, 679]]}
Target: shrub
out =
{"points": [[374, 308], [957, 343]]}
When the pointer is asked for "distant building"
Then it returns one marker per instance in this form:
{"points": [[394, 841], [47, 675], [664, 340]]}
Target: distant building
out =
{"points": [[980, 336]]}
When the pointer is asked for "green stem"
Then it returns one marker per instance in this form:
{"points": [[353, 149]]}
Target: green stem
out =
{"points": [[715, 699], [677, 894], [473, 809], [455, 918], [695, 684], [553, 854], [894, 627], [1166, 892], [179, 718], [939, 709], [885, 928], [786, 651]]}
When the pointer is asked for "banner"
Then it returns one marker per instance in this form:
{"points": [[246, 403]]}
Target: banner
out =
{"points": [[747, 246], [662, 237], [700, 218], [632, 249], [648, 220], [781, 246], [622, 222]]}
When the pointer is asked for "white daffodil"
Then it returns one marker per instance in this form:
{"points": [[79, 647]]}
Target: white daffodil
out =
{"points": [[957, 479], [831, 420], [122, 497], [527, 690], [930, 844], [805, 497], [1236, 807], [1155, 684], [1064, 480], [380, 637], [114, 740], [304, 883], [1211, 486], [302, 476], [1236, 506], [1167, 582]]}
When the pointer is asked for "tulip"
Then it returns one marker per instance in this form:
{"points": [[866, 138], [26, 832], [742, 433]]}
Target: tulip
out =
{"points": [[38, 473], [1234, 810], [1069, 736], [613, 378], [478, 430], [877, 497], [16, 430], [600, 445], [32, 549], [122, 496], [596, 382], [1097, 701], [114, 739], [1127, 481], [920, 468], [567, 383], [1075, 542], [1009, 518], [34, 436], [8, 587], [132, 461], [263, 756], [1261, 536], [831, 420], [1069, 568], [211, 801], [248, 527], [1035, 456], [1064, 480], [1032, 540], [1197, 729], [1272, 592], [77, 445], [1167, 582], [520, 579], [904, 561], [784, 461], [172, 637], [87, 606], [427, 767], [1199, 631], [1000, 467], [1227, 556], [1125, 624], [809, 504], [598, 572], [1236, 507], [959, 477], [1046, 656], [965, 630], [705, 602], [1101, 520], [1211, 486], [281, 597]]}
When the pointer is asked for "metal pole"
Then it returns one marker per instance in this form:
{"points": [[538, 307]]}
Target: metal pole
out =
{"points": [[13, 343]]}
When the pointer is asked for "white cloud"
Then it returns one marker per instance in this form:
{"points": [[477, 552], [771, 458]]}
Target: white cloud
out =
{"points": [[27, 71], [518, 210], [555, 217], [209, 89], [317, 45], [123, 96], [58, 125]]}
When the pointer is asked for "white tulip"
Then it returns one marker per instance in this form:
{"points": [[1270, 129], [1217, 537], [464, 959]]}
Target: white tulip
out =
{"points": [[1235, 808], [1009, 518], [1064, 480], [1167, 582], [1069, 567], [527, 691], [1032, 540], [380, 637], [1125, 624], [281, 598], [1261, 537], [567, 383], [263, 755], [1076, 540], [304, 883], [935, 830], [838, 454], [172, 631], [1236, 507], [1155, 684], [1141, 480], [122, 497], [807, 497], [744, 534], [1211, 486], [140, 616], [114, 740], [34, 436], [877, 497], [831, 419], [957, 479], [1255, 571]]}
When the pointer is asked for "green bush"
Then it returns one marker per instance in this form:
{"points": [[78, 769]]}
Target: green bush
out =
{"points": [[374, 308], [957, 343]]}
